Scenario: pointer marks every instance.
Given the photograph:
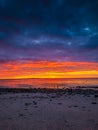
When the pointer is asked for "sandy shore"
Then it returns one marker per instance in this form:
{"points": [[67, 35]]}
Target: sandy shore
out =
{"points": [[49, 111]]}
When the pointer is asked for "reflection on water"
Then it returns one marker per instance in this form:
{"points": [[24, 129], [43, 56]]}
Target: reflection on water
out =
{"points": [[48, 83]]}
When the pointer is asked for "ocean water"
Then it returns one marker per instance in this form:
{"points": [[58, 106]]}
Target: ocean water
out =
{"points": [[50, 83]]}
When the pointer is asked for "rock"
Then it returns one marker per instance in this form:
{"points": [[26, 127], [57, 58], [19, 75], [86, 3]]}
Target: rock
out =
{"points": [[35, 103], [93, 103], [96, 96], [27, 104]]}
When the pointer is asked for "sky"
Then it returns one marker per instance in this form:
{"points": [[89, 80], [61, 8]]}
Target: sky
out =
{"points": [[48, 39]]}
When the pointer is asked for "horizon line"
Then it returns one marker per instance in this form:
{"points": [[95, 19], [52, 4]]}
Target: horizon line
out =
{"points": [[50, 78]]}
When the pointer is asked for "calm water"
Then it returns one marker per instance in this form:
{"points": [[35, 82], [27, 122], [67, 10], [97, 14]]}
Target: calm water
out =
{"points": [[48, 83]]}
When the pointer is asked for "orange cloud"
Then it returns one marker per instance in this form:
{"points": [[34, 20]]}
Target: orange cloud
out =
{"points": [[47, 69]]}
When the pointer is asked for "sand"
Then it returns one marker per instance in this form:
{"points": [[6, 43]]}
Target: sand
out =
{"points": [[48, 111]]}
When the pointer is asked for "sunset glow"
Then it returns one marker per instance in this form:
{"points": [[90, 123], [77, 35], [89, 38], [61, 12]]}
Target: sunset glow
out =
{"points": [[46, 69]]}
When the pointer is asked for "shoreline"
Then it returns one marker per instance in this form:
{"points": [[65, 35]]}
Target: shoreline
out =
{"points": [[78, 90]]}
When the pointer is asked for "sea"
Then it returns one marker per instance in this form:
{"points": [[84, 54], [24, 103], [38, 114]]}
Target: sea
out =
{"points": [[55, 83]]}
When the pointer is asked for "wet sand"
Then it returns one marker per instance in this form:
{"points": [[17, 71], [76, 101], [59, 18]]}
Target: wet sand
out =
{"points": [[49, 110]]}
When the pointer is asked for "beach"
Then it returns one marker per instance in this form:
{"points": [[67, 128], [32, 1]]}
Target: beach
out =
{"points": [[42, 109]]}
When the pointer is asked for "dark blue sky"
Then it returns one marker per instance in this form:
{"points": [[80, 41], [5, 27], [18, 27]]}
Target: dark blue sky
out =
{"points": [[53, 30]]}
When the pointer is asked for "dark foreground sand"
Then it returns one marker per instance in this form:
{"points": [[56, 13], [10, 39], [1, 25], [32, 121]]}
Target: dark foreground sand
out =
{"points": [[49, 111]]}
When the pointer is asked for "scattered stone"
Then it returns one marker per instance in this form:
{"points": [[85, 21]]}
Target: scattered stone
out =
{"points": [[53, 97], [96, 96], [59, 103], [94, 103], [75, 106], [20, 114], [35, 103], [27, 104]]}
